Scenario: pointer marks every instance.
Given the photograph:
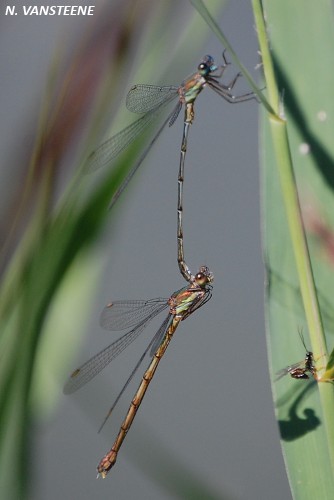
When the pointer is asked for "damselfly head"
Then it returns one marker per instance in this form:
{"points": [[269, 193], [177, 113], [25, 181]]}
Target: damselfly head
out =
{"points": [[204, 276], [207, 65]]}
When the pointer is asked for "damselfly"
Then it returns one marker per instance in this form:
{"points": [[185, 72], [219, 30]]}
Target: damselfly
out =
{"points": [[136, 314], [303, 369], [149, 100]]}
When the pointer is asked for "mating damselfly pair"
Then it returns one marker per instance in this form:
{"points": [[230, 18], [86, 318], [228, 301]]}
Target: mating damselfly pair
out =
{"points": [[135, 315]]}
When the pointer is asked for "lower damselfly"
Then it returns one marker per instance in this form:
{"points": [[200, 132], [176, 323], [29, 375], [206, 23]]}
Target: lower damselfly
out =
{"points": [[136, 314]]}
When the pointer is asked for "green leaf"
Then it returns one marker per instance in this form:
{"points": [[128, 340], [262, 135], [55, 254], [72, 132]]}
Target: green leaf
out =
{"points": [[301, 38]]}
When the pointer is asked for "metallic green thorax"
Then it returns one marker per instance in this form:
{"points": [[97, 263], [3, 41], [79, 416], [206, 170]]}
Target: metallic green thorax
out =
{"points": [[194, 84], [191, 88], [187, 300]]}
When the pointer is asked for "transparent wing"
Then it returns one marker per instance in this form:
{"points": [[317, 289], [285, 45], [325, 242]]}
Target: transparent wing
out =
{"points": [[287, 370], [154, 342], [122, 314], [158, 337], [144, 98], [170, 119], [99, 361], [113, 146]]}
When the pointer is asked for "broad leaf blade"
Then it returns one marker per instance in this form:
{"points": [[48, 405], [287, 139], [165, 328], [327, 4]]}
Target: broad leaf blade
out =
{"points": [[306, 86]]}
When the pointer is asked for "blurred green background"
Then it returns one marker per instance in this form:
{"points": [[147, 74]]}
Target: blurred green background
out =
{"points": [[206, 428]]}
